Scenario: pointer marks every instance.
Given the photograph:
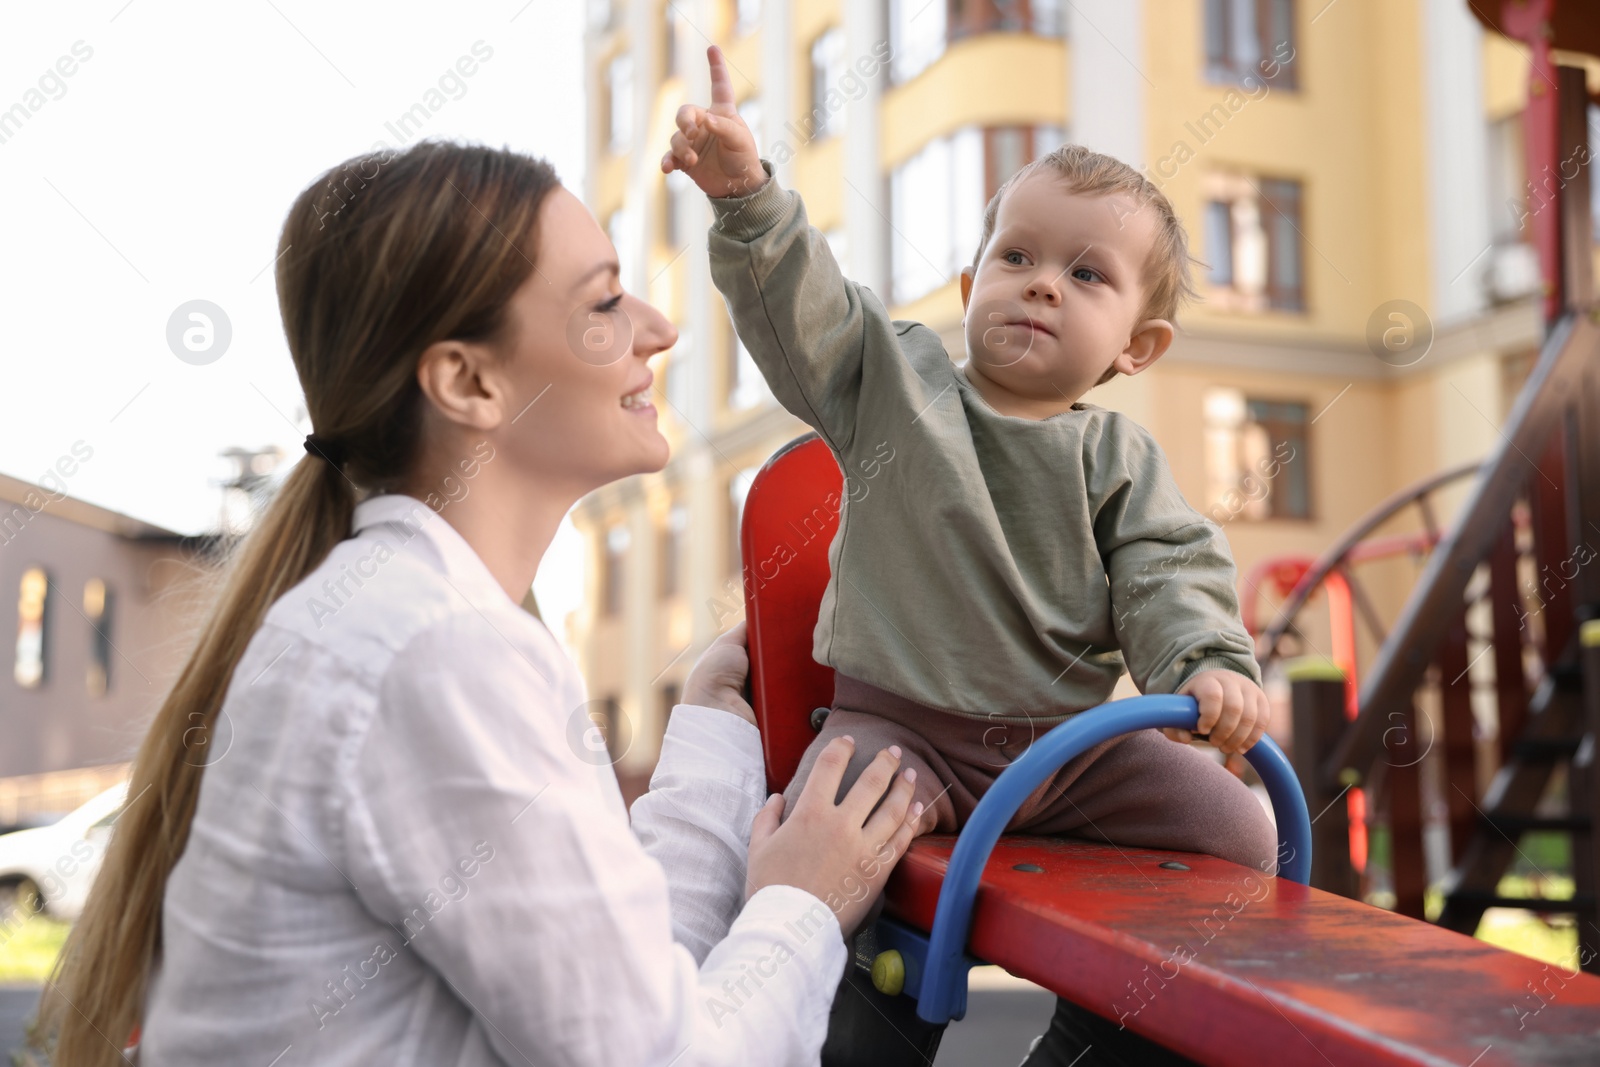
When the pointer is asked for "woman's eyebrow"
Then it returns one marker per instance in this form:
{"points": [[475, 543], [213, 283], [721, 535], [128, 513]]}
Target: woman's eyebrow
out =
{"points": [[608, 266]]}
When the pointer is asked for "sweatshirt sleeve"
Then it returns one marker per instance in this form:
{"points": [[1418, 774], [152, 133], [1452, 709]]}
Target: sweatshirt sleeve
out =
{"points": [[807, 327], [1170, 571]]}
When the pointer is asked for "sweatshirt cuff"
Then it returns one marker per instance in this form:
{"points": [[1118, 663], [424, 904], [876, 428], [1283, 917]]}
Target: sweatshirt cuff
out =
{"points": [[745, 217], [1216, 663], [703, 742]]}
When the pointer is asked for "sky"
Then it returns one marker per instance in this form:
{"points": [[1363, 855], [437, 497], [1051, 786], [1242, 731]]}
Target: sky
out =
{"points": [[164, 143]]}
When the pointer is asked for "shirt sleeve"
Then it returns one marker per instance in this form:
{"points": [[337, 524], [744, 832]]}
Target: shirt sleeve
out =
{"points": [[695, 819], [806, 325], [1170, 571], [482, 828]]}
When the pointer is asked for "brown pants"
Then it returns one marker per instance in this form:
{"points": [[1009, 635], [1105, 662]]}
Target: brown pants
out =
{"points": [[1140, 789]]}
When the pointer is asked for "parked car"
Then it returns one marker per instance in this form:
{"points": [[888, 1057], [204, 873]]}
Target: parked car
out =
{"points": [[50, 868]]}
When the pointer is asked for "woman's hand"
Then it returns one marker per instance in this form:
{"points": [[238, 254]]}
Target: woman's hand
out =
{"points": [[713, 146], [835, 852], [717, 680]]}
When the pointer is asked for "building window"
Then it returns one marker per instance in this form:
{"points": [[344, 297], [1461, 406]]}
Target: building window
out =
{"points": [[937, 197], [750, 111], [672, 550], [602, 14], [97, 602], [669, 40], [619, 228], [33, 602], [617, 734], [969, 17], [839, 244], [738, 491], [678, 194], [1251, 38], [747, 13], [669, 699], [614, 572], [746, 386], [916, 36], [619, 96], [1254, 244], [1257, 457], [827, 71]]}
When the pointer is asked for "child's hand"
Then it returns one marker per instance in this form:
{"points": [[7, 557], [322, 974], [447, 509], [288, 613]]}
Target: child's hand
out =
{"points": [[1233, 710], [713, 146], [717, 680]]}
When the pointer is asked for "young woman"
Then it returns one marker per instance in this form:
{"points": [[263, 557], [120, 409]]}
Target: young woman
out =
{"points": [[370, 823]]}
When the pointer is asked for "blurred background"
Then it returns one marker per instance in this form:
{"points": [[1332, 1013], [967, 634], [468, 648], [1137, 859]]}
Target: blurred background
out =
{"points": [[1352, 174]]}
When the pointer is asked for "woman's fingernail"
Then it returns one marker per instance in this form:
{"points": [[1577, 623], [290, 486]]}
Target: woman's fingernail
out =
{"points": [[916, 809], [911, 774], [894, 750], [848, 738]]}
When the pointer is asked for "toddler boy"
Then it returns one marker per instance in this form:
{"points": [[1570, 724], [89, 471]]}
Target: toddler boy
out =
{"points": [[1024, 547]]}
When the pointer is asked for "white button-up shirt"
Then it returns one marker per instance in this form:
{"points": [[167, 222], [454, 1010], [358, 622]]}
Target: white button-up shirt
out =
{"points": [[410, 848]]}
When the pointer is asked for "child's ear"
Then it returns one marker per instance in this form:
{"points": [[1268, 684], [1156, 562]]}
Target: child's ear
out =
{"points": [[1151, 338], [966, 287]]}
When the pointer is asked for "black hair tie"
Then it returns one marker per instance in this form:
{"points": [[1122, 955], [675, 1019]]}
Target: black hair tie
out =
{"points": [[328, 450]]}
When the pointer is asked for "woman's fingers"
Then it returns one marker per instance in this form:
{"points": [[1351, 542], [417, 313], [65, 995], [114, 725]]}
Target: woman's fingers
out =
{"points": [[869, 788], [892, 812], [822, 786]]}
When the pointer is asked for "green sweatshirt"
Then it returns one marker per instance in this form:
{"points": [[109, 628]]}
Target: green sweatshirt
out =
{"points": [[993, 565]]}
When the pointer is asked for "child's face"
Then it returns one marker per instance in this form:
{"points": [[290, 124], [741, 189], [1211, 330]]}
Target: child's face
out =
{"points": [[1056, 299]]}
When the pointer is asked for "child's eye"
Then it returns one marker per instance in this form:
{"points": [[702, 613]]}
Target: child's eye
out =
{"points": [[1007, 257], [1086, 274]]}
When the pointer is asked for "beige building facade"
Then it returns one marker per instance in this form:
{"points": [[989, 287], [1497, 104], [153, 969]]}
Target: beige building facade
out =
{"points": [[1350, 176]]}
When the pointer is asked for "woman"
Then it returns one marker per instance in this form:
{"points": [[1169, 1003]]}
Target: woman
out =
{"points": [[403, 846]]}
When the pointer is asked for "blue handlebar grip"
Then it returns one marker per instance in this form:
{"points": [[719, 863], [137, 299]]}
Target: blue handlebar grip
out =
{"points": [[939, 1000]]}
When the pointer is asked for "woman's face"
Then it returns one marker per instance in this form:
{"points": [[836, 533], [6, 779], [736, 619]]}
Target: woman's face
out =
{"points": [[578, 360]]}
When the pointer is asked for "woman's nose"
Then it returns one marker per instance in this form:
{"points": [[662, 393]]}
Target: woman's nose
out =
{"points": [[653, 332]]}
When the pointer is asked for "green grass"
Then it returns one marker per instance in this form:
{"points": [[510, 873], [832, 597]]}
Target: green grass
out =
{"points": [[29, 948]]}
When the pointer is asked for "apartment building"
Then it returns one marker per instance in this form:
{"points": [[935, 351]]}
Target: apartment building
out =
{"points": [[1350, 175]]}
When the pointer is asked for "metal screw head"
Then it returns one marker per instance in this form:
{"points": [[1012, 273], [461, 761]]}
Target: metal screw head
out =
{"points": [[817, 717]]}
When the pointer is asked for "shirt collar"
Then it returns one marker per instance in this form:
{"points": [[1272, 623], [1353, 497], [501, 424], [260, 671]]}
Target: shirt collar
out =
{"points": [[463, 567]]}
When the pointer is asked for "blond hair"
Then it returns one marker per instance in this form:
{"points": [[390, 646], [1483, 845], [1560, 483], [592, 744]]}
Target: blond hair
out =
{"points": [[391, 252], [1166, 270]]}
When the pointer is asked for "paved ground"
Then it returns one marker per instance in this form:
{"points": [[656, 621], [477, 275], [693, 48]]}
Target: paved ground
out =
{"points": [[17, 1005], [1003, 1017]]}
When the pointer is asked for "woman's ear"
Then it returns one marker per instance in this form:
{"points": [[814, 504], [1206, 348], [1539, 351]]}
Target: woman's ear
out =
{"points": [[1151, 338], [461, 382]]}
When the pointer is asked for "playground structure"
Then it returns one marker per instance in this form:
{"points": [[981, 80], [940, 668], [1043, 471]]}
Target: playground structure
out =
{"points": [[1225, 965]]}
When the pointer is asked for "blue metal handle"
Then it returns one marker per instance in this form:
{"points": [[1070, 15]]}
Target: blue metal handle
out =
{"points": [[943, 986]]}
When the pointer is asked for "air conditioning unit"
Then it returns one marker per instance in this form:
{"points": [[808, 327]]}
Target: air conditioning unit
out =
{"points": [[1513, 271]]}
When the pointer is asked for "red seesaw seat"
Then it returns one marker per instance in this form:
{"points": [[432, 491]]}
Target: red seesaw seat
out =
{"points": [[1211, 959]]}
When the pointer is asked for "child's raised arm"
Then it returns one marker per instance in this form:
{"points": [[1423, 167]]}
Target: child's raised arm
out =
{"points": [[807, 327]]}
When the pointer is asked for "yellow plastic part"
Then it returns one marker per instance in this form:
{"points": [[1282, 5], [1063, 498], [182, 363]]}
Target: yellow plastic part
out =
{"points": [[889, 973]]}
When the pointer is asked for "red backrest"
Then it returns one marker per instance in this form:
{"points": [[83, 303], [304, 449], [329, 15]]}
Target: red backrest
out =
{"points": [[790, 516]]}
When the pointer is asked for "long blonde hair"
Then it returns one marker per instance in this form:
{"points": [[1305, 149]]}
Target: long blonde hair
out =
{"points": [[380, 257]]}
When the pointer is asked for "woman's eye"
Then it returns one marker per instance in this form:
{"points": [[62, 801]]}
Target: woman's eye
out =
{"points": [[611, 305]]}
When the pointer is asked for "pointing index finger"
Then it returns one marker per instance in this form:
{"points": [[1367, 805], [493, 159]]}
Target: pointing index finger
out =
{"points": [[721, 84]]}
